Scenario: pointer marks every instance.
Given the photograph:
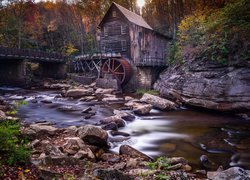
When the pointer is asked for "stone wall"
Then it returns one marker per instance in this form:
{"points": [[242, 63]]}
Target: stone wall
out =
{"points": [[12, 72]]}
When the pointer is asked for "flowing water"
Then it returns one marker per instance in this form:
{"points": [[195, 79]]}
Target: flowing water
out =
{"points": [[223, 138]]}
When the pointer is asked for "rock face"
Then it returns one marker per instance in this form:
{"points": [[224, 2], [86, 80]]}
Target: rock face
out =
{"points": [[158, 102], [234, 173], [208, 84]]}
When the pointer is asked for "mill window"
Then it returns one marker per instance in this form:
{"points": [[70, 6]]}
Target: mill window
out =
{"points": [[124, 45], [105, 31], [113, 13], [123, 29]]}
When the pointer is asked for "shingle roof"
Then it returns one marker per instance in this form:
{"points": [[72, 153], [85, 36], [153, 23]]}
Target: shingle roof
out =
{"points": [[133, 17]]}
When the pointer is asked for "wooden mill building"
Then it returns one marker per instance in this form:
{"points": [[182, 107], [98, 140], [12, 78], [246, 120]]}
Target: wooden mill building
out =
{"points": [[141, 51], [127, 33]]}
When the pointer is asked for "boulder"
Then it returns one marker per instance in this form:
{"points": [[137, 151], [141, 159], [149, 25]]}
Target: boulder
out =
{"points": [[234, 173], [78, 93], [139, 107], [132, 152], [85, 153], [116, 119], [73, 145], [54, 151], [158, 102], [124, 115], [40, 129], [59, 86], [110, 157], [110, 126], [142, 109], [104, 91], [87, 110], [112, 99], [46, 101], [119, 133], [93, 135], [87, 98]]}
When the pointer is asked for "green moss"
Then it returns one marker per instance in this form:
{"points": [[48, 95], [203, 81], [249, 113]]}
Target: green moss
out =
{"points": [[143, 91]]}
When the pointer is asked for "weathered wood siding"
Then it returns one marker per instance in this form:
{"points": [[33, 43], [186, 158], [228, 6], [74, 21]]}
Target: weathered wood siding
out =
{"points": [[115, 34], [147, 45]]}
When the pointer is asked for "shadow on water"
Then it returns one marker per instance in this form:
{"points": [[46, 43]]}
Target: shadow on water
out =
{"points": [[224, 139]]}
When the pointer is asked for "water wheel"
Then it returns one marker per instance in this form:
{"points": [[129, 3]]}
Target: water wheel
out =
{"points": [[119, 68]]}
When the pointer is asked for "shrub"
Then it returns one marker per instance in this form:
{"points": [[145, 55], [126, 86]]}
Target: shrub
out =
{"points": [[216, 34], [13, 147]]}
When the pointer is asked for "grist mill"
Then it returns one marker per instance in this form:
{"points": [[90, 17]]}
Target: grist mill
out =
{"points": [[131, 53]]}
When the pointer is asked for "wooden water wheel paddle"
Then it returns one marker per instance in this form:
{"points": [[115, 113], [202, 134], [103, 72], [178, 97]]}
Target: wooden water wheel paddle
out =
{"points": [[119, 68]]}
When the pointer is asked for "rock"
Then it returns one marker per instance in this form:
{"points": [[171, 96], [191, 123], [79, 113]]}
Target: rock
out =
{"points": [[208, 84], [128, 98], [207, 163], [112, 99], [175, 167], [110, 157], [186, 167], [142, 109], [132, 163], [110, 126], [93, 135], [71, 130], [40, 129], [118, 139], [158, 102], [124, 115], [119, 122], [234, 173], [108, 174], [78, 93], [34, 101], [104, 91], [177, 160], [86, 153], [49, 174], [86, 110], [59, 86], [73, 145], [119, 133], [141, 172], [128, 150], [2, 115], [46, 101], [120, 166], [87, 98], [35, 143], [53, 151]]}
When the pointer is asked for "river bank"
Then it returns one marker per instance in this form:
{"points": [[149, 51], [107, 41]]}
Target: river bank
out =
{"points": [[57, 140]]}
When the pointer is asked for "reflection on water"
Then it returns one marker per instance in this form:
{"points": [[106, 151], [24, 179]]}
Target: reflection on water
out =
{"points": [[224, 139], [190, 134]]}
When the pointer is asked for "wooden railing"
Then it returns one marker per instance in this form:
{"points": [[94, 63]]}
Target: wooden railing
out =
{"points": [[13, 53]]}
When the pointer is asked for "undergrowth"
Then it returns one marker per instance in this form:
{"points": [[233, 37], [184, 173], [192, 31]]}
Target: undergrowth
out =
{"points": [[13, 147], [216, 34]]}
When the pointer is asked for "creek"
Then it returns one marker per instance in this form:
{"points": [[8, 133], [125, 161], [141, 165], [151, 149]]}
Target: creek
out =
{"points": [[223, 138]]}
